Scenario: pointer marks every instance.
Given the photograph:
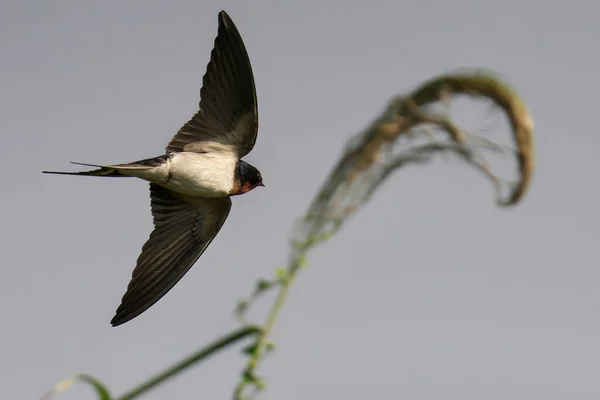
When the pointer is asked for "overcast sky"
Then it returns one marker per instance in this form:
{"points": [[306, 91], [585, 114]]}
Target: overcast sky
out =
{"points": [[431, 292]]}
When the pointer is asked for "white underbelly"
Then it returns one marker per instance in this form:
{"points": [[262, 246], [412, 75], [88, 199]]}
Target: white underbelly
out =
{"points": [[195, 174], [201, 174]]}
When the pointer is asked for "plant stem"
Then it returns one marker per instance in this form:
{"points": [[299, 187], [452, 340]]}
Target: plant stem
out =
{"points": [[263, 338], [200, 355]]}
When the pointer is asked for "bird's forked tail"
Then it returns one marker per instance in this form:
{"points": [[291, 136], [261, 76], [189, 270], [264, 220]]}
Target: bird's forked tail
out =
{"points": [[100, 171]]}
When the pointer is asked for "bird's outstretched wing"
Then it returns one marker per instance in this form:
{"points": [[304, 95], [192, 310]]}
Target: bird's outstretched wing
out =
{"points": [[182, 231], [228, 107]]}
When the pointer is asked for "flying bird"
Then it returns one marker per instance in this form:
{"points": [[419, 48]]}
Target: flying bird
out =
{"points": [[191, 184]]}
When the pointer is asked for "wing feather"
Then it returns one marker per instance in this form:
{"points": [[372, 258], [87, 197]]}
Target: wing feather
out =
{"points": [[228, 107], [182, 232]]}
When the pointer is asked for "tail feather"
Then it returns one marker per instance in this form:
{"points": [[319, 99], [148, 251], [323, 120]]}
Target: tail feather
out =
{"points": [[89, 165], [115, 170], [102, 171]]}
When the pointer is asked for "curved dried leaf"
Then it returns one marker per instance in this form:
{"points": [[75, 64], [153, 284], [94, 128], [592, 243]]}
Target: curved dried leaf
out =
{"points": [[485, 84], [101, 390]]}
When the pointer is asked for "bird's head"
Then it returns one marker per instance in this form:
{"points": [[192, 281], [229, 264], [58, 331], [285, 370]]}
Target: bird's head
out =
{"points": [[247, 177]]}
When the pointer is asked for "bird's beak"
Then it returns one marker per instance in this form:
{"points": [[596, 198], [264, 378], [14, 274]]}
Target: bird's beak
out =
{"points": [[261, 184]]}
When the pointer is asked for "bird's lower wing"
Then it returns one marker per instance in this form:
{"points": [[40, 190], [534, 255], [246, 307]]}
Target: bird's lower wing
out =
{"points": [[183, 229]]}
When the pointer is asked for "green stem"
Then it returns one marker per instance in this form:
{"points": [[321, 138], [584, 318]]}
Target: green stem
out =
{"points": [[263, 338], [270, 322], [203, 353]]}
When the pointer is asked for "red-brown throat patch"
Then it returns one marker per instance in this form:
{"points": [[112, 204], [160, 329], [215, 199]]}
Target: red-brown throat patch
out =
{"points": [[241, 188]]}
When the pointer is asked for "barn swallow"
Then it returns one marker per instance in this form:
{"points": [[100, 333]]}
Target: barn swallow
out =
{"points": [[191, 184]]}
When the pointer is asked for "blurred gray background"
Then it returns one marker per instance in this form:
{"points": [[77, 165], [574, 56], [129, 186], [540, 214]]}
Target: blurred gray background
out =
{"points": [[430, 292]]}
